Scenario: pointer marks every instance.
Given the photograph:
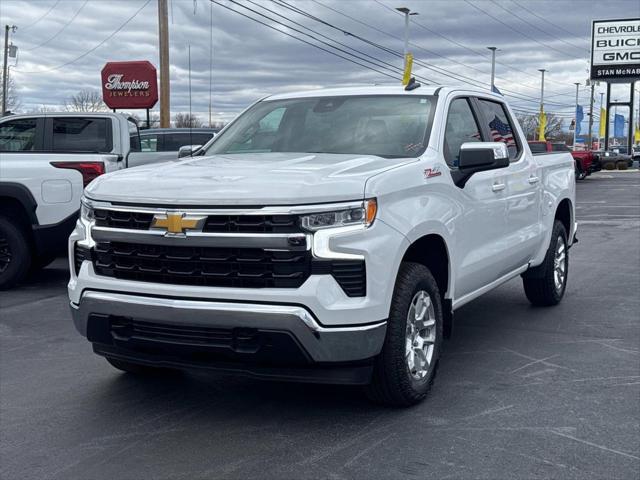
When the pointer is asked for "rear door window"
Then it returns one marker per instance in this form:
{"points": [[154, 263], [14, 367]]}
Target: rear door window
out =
{"points": [[500, 126], [75, 134], [19, 135], [134, 136]]}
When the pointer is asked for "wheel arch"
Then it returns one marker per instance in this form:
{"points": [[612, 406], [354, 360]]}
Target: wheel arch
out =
{"points": [[564, 213], [431, 250]]}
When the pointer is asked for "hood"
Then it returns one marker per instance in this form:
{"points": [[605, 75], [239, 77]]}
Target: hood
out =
{"points": [[244, 179]]}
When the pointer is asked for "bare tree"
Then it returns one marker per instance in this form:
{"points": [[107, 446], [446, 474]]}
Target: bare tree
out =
{"points": [[530, 122], [85, 100], [154, 119], [13, 102], [186, 120]]}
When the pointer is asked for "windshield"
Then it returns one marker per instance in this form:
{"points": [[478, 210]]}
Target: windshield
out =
{"points": [[386, 126]]}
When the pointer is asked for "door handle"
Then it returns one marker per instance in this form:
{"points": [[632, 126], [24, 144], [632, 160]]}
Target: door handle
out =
{"points": [[533, 179], [497, 187]]}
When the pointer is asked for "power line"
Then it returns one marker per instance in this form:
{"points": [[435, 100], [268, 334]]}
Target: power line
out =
{"points": [[537, 28], [64, 27], [40, 18], [475, 52], [519, 31], [304, 41], [376, 62], [458, 77], [57, 67]]}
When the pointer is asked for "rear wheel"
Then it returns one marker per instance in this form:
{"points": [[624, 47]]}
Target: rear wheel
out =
{"points": [[546, 285], [15, 256], [406, 367]]}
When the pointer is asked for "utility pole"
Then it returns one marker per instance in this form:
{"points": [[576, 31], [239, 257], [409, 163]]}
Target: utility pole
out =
{"points": [[210, 60], [407, 12], [163, 34], [5, 75], [575, 127], [493, 67], [593, 85]]}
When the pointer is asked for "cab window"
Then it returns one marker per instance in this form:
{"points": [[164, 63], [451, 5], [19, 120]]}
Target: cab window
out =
{"points": [[500, 126], [461, 128], [18, 135], [75, 134]]}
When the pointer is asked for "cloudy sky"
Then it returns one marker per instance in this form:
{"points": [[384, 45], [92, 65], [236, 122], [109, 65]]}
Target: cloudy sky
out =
{"points": [[63, 45]]}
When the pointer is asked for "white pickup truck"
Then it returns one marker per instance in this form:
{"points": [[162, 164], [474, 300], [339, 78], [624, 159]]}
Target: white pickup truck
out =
{"points": [[325, 236], [46, 160]]}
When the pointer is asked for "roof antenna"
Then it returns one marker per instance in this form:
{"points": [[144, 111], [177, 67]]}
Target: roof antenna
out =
{"points": [[412, 85]]}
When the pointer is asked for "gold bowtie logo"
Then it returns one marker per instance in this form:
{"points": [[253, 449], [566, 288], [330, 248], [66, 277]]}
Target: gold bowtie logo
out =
{"points": [[177, 222]]}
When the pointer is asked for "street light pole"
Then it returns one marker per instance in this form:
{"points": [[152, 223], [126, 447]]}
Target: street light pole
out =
{"points": [[601, 120], [575, 127], [407, 12], [493, 67]]}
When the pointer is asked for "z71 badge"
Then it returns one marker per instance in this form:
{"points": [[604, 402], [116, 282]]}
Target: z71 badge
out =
{"points": [[432, 172]]}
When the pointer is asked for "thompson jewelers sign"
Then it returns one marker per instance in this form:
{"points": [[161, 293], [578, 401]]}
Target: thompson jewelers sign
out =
{"points": [[615, 50], [129, 84]]}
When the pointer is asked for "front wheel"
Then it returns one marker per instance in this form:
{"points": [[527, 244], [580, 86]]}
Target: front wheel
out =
{"points": [[406, 367], [546, 284], [15, 256]]}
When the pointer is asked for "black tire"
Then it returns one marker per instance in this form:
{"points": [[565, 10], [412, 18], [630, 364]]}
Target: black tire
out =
{"points": [[15, 255], [539, 284], [392, 383], [138, 369], [623, 165]]}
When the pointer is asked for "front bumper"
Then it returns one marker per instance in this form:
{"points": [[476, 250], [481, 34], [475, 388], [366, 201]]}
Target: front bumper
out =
{"points": [[264, 340]]}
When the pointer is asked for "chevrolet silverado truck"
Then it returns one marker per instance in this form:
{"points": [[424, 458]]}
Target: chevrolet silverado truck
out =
{"points": [[325, 236], [46, 160]]}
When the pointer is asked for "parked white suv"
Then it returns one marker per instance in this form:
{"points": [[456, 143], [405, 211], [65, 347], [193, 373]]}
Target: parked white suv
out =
{"points": [[46, 160], [323, 236]]}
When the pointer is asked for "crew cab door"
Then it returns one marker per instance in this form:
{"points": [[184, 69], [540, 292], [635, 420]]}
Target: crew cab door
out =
{"points": [[480, 229], [522, 192]]}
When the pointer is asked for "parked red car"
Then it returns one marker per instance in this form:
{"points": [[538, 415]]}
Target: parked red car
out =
{"points": [[586, 161]]}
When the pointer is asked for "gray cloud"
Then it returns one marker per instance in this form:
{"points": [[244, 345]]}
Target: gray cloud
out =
{"points": [[251, 60]]}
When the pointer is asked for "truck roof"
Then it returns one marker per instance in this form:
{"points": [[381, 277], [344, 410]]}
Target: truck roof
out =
{"points": [[381, 90]]}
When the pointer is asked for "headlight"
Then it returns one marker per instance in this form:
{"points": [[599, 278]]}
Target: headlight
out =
{"points": [[360, 215], [86, 211]]}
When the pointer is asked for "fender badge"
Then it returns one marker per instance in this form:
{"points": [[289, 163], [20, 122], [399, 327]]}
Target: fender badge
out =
{"points": [[432, 172]]}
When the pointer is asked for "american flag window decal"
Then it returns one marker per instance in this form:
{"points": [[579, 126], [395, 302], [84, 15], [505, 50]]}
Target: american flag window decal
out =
{"points": [[500, 126]]}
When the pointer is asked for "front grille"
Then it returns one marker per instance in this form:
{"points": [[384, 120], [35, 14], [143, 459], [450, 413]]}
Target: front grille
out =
{"points": [[253, 224], [206, 266], [118, 219], [221, 267], [214, 223]]}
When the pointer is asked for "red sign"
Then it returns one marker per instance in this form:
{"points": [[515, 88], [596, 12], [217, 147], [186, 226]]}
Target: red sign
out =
{"points": [[129, 84]]}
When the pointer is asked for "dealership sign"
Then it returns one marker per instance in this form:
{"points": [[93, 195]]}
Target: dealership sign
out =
{"points": [[615, 50], [129, 85]]}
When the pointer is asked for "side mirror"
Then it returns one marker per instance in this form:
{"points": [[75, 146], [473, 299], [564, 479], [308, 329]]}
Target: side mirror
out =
{"points": [[187, 150], [479, 157]]}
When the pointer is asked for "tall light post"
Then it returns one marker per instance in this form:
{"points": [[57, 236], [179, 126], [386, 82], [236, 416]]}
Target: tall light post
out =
{"points": [[493, 67], [407, 12], [540, 123], [5, 76], [575, 127]]}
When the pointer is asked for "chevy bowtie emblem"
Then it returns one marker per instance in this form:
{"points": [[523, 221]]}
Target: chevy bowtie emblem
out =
{"points": [[178, 222]]}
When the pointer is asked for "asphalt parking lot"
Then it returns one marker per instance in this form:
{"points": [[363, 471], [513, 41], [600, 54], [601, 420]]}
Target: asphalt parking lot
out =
{"points": [[522, 392]]}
